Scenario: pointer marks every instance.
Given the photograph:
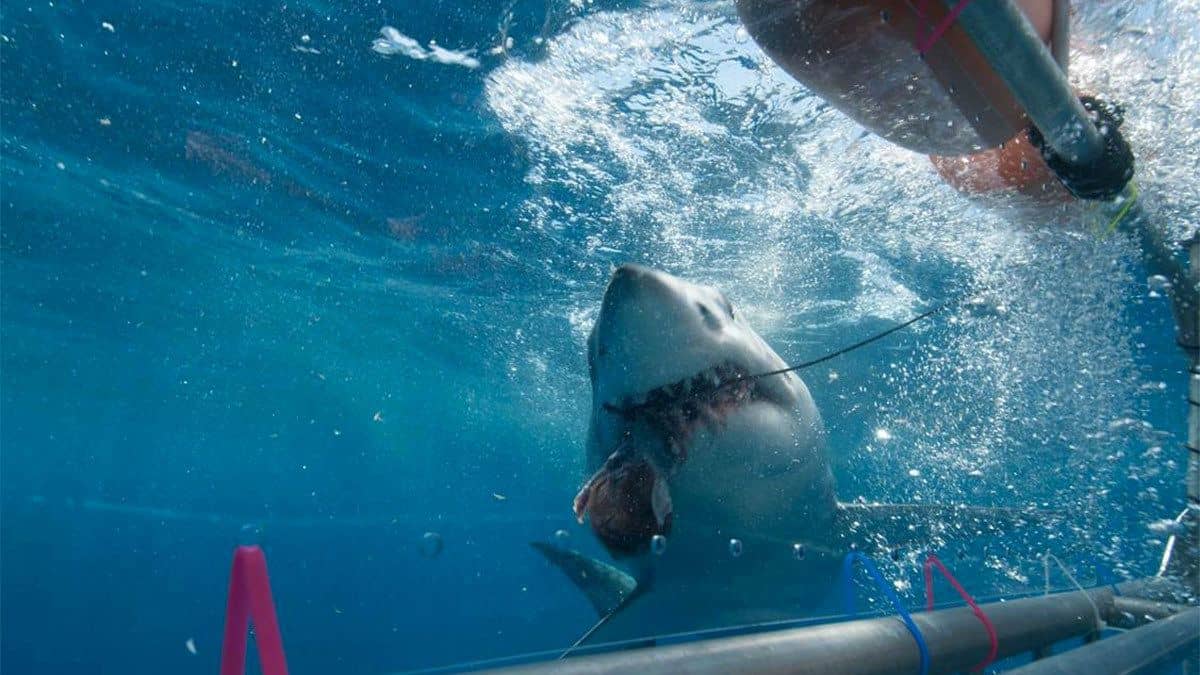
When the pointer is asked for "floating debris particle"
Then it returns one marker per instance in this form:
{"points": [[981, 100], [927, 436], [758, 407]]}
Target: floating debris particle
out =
{"points": [[431, 545]]}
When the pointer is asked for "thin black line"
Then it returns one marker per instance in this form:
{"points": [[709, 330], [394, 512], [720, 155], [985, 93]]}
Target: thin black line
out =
{"points": [[861, 343]]}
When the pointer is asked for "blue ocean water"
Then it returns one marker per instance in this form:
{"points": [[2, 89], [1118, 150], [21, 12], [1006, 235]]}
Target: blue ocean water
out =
{"points": [[261, 268]]}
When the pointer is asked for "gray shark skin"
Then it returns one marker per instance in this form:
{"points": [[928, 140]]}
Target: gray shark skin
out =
{"points": [[729, 471]]}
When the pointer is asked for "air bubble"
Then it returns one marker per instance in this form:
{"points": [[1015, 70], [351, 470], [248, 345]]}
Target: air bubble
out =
{"points": [[798, 551], [250, 535], [1158, 285], [658, 544], [735, 548], [561, 536], [431, 545]]}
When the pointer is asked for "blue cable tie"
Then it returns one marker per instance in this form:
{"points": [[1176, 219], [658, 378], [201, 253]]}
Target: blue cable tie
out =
{"points": [[848, 600]]}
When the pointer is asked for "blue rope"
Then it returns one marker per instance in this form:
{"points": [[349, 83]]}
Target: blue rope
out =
{"points": [[848, 600]]}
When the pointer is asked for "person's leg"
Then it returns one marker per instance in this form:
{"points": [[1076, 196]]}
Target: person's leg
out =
{"points": [[1041, 14], [1015, 165]]}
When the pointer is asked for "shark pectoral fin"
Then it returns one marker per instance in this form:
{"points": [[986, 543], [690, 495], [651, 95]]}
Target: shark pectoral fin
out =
{"points": [[606, 587], [918, 523]]}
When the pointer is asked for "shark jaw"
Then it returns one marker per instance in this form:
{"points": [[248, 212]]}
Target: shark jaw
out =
{"points": [[629, 493], [672, 373]]}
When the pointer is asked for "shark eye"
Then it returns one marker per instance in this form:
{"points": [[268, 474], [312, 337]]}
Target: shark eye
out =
{"points": [[707, 315]]}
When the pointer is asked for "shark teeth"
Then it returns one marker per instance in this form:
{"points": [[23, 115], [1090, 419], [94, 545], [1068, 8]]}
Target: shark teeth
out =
{"points": [[701, 384], [678, 409]]}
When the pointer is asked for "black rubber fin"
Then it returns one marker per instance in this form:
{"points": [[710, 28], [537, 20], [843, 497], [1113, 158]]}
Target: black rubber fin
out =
{"points": [[606, 587]]}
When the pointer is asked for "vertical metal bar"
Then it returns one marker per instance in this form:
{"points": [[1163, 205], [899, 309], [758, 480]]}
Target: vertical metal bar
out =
{"points": [[1188, 549], [1005, 38]]}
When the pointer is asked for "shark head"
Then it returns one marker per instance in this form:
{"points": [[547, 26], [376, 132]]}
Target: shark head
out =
{"points": [[684, 438]]}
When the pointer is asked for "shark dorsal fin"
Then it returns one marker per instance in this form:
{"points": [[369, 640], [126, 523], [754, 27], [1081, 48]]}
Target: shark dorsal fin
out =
{"points": [[606, 587]]}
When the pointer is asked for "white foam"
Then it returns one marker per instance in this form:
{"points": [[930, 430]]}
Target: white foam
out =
{"points": [[392, 42]]}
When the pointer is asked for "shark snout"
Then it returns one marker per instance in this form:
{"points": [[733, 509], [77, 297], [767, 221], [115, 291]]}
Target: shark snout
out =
{"points": [[637, 300], [632, 271], [630, 283]]}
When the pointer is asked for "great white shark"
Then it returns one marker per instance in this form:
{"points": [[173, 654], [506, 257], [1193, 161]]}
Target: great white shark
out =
{"points": [[710, 485]]}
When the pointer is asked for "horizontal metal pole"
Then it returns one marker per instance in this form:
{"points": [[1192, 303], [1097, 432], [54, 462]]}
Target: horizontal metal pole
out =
{"points": [[1162, 589], [955, 638], [1134, 612], [1141, 650], [1002, 34]]}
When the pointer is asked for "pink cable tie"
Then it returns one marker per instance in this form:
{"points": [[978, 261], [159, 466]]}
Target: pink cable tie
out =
{"points": [[250, 600], [925, 44], [930, 562]]}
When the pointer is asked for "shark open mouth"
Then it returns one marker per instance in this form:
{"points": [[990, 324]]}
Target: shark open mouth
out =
{"points": [[628, 498], [679, 409]]}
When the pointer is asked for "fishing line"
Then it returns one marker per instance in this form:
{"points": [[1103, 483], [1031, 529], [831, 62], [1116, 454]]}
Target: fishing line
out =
{"points": [[861, 343], [1046, 558], [627, 410]]}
